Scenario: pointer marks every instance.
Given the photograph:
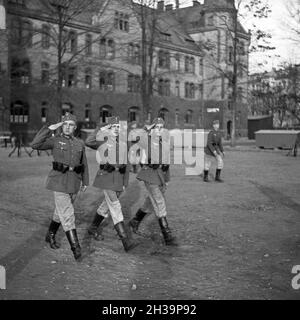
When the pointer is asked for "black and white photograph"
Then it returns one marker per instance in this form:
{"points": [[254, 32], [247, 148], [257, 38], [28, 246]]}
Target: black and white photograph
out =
{"points": [[149, 152]]}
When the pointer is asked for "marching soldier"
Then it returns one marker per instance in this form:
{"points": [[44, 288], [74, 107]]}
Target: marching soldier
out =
{"points": [[155, 175], [214, 151], [112, 178], [69, 174]]}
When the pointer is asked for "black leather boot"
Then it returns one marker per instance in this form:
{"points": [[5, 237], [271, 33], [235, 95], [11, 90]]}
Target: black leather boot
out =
{"points": [[128, 243], [205, 176], [93, 228], [135, 222], [74, 243], [218, 176], [170, 240], [50, 236]]}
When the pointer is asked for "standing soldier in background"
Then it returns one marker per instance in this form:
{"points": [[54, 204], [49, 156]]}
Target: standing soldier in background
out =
{"points": [[69, 174], [112, 178], [214, 151], [155, 175]]}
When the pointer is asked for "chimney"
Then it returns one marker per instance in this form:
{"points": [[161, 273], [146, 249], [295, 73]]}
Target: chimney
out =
{"points": [[195, 3], [177, 4], [161, 5], [169, 7]]}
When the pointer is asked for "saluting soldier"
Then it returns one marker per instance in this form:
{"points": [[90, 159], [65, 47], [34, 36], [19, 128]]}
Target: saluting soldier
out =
{"points": [[214, 151], [112, 177], [155, 173], [69, 174]]}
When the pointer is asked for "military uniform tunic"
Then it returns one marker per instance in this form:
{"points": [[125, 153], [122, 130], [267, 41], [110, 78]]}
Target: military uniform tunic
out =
{"points": [[67, 150]]}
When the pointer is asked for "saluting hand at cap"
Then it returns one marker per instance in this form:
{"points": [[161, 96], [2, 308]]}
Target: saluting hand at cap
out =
{"points": [[55, 126]]}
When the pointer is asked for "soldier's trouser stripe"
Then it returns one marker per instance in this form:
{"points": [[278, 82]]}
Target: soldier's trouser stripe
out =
{"points": [[155, 200], [112, 204], [208, 160], [64, 210]]}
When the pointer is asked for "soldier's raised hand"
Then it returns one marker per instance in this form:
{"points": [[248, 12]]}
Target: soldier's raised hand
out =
{"points": [[55, 126]]}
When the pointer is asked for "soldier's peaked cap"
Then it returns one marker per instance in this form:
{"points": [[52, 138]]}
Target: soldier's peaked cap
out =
{"points": [[113, 120], [69, 117], [216, 122]]}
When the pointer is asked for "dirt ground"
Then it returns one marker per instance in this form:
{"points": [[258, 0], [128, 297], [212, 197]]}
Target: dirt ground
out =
{"points": [[237, 240]]}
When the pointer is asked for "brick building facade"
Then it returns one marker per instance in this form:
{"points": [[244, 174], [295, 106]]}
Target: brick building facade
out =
{"points": [[104, 77]]}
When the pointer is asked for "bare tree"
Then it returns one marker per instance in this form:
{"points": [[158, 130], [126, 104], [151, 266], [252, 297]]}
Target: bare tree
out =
{"points": [[242, 10]]}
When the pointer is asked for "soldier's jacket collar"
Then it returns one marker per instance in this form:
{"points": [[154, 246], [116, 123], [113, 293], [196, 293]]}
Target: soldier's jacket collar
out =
{"points": [[67, 137]]}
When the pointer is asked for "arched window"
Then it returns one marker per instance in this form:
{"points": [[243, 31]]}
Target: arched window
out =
{"points": [[192, 64], [87, 112], [102, 48], [188, 119], [88, 78], [176, 117], [177, 62], [133, 114], [105, 112], [167, 89], [45, 36], [73, 41], [44, 111], [19, 112], [161, 87], [177, 88], [110, 49]]}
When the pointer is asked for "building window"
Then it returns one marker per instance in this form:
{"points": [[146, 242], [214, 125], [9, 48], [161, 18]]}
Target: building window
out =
{"points": [[177, 88], [189, 90], [21, 32], [176, 117], [107, 48], [210, 21], [121, 21], [88, 78], [177, 62], [19, 112], [201, 66], [241, 48], [134, 53], [88, 44], [72, 77], [73, 41], [106, 80], [188, 119], [110, 49], [164, 59], [27, 34], [45, 37], [200, 91], [105, 112], [102, 48], [45, 76], [87, 112], [133, 114], [164, 87], [44, 110], [134, 83], [20, 71], [189, 64], [66, 107]]}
